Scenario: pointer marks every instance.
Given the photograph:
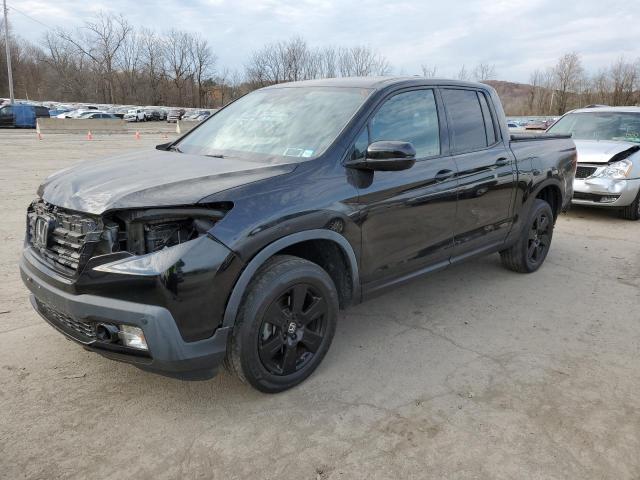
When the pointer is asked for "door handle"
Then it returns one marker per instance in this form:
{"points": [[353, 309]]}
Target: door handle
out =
{"points": [[502, 162], [444, 175]]}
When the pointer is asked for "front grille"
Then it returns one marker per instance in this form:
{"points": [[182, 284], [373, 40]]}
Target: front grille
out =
{"points": [[585, 171], [68, 238], [83, 331]]}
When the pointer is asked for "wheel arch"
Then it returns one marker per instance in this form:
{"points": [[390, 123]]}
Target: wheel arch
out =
{"points": [[551, 193], [287, 245]]}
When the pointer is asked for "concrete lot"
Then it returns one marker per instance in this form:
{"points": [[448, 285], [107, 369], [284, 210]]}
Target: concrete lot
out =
{"points": [[474, 372]]}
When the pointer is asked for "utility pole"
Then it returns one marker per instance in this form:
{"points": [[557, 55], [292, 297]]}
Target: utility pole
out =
{"points": [[6, 44]]}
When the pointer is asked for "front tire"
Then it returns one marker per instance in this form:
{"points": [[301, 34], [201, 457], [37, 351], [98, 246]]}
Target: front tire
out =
{"points": [[528, 254], [285, 324], [632, 212]]}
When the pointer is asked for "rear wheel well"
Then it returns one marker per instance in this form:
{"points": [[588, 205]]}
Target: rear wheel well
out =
{"points": [[328, 255], [552, 195]]}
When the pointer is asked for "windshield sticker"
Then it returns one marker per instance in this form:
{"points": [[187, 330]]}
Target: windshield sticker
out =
{"points": [[293, 152]]}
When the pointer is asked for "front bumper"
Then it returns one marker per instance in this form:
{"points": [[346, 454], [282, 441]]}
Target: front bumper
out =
{"points": [[76, 314], [605, 192]]}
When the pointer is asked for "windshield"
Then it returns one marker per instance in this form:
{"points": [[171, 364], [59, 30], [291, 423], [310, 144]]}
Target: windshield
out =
{"points": [[620, 126], [277, 124]]}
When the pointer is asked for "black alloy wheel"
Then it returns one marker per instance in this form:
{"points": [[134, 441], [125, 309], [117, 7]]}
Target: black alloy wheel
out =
{"points": [[292, 330], [539, 238], [528, 252], [285, 324]]}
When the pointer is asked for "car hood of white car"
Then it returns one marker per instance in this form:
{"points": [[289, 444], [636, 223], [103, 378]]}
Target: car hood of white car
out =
{"points": [[603, 151]]}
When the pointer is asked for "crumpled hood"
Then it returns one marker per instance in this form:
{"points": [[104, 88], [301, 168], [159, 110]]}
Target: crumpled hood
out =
{"points": [[601, 151], [150, 178]]}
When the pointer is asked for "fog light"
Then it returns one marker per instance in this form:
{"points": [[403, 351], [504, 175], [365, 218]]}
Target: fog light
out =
{"points": [[608, 199], [133, 337]]}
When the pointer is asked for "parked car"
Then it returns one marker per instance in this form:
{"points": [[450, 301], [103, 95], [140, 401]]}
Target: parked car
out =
{"points": [[58, 111], [100, 115], [135, 115], [74, 113], [151, 115], [608, 143], [21, 116], [174, 115], [240, 241]]}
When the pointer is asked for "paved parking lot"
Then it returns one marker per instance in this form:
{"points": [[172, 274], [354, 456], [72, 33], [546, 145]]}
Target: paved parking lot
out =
{"points": [[474, 372]]}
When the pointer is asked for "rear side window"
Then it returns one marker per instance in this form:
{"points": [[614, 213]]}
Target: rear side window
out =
{"points": [[409, 117], [489, 124], [466, 123]]}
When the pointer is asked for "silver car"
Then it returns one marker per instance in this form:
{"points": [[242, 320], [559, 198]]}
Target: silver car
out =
{"points": [[608, 144]]}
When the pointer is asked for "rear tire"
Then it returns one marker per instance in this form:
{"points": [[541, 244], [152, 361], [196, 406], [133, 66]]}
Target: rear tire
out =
{"points": [[529, 252], [285, 324], [632, 212]]}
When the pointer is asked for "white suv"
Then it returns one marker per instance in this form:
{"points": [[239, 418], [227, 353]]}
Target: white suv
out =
{"points": [[135, 115]]}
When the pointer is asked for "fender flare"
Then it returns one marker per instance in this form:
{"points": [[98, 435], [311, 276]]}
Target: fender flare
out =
{"points": [[551, 181], [240, 287], [548, 182]]}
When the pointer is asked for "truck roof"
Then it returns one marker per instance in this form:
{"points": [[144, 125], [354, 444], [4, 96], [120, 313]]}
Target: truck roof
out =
{"points": [[377, 82]]}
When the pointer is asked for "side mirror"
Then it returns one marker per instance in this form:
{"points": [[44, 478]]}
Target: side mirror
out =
{"points": [[386, 156], [164, 146]]}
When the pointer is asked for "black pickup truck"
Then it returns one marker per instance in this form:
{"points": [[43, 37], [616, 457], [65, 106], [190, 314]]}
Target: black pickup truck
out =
{"points": [[239, 242]]}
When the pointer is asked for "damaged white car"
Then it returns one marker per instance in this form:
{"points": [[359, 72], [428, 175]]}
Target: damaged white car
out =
{"points": [[608, 144]]}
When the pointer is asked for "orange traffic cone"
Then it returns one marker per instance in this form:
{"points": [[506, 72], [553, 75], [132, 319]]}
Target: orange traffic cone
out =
{"points": [[137, 135], [89, 135]]}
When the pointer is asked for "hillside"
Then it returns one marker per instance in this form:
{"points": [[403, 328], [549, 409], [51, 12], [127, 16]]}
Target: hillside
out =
{"points": [[513, 95]]}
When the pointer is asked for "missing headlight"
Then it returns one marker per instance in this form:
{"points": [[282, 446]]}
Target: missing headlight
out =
{"points": [[147, 231], [160, 235]]}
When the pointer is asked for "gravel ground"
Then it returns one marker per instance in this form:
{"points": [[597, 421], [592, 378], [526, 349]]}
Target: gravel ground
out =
{"points": [[474, 372]]}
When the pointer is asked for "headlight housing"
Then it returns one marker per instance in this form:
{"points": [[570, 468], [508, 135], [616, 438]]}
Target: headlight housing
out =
{"points": [[616, 170], [148, 231]]}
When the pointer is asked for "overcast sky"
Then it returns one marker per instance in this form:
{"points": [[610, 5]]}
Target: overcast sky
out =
{"points": [[516, 36]]}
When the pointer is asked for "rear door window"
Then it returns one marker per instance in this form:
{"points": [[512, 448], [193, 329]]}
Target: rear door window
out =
{"points": [[466, 122]]}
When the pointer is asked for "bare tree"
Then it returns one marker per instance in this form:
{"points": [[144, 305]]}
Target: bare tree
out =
{"points": [[100, 41], [153, 69], [484, 71], [293, 60], [624, 81], [177, 55], [361, 61], [463, 74], [567, 75], [203, 64], [68, 67], [429, 71], [129, 61], [329, 62], [601, 87]]}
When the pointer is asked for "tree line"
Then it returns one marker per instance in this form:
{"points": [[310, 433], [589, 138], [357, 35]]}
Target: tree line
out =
{"points": [[108, 60], [567, 85]]}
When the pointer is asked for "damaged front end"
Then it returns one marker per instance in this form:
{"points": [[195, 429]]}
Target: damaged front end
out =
{"points": [[607, 174], [66, 240], [156, 272]]}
